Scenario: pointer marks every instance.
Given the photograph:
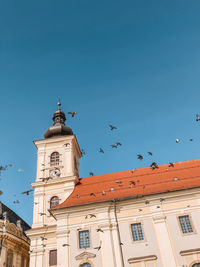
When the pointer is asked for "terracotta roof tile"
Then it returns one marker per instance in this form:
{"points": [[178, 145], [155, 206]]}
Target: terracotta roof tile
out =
{"points": [[147, 181]]}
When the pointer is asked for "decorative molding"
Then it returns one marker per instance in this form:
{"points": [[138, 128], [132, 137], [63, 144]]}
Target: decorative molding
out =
{"points": [[189, 251], [144, 258], [85, 256]]}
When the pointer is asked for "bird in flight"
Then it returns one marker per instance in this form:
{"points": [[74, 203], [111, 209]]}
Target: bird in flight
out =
{"points": [[73, 113], [91, 174], [43, 238], [64, 245], [101, 150], [197, 117], [154, 165], [20, 170], [191, 139], [91, 216], [177, 140], [46, 179], [113, 146], [99, 247], [27, 192], [16, 201], [99, 230], [140, 157], [112, 127], [42, 213], [119, 144], [92, 194], [150, 153], [171, 164], [83, 152], [132, 183]]}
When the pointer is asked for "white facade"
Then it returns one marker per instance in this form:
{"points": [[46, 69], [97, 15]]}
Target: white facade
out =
{"points": [[163, 244]]}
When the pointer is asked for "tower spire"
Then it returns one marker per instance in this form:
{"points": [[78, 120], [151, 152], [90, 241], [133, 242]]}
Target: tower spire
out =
{"points": [[58, 128]]}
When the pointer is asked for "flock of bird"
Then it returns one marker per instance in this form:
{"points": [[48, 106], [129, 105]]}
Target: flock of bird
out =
{"points": [[153, 165]]}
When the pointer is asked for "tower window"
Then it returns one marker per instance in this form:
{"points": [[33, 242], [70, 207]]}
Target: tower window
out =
{"points": [[185, 224], [137, 232], [52, 257], [84, 240], [85, 265], [54, 201], [54, 159]]}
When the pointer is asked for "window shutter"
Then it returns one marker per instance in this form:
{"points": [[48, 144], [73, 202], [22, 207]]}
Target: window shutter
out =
{"points": [[53, 257]]}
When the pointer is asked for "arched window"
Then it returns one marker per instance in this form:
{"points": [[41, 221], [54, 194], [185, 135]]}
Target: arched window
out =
{"points": [[85, 265], [196, 265], [54, 159], [54, 201]]}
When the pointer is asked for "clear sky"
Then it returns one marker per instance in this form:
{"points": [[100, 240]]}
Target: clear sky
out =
{"points": [[134, 64]]}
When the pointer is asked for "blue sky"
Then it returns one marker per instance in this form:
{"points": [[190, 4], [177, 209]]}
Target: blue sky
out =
{"points": [[134, 64]]}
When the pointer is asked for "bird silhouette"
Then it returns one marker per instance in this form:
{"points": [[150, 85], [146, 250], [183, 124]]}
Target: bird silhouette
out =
{"points": [[112, 127], [113, 146], [64, 245], [177, 140], [83, 152], [171, 164], [73, 113], [99, 230], [91, 174], [154, 165], [140, 157], [119, 144], [150, 153], [27, 192], [197, 117], [67, 144], [42, 213], [101, 150]]}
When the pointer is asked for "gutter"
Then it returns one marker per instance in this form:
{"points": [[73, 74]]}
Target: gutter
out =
{"points": [[118, 233]]}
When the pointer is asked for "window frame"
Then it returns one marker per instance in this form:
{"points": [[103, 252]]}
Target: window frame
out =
{"points": [[54, 163], [85, 262], [191, 222], [50, 202], [83, 230], [56, 257], [142, 227]]}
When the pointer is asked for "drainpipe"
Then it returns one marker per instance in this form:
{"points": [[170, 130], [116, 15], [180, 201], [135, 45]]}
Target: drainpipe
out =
{"points": [[118, 232]]}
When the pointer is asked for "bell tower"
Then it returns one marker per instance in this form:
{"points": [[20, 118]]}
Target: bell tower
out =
{"points": [[57, 169]]}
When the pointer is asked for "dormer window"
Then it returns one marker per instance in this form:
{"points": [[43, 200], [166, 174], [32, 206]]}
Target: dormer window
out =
{"points": [[54, 201], [54, 159]]}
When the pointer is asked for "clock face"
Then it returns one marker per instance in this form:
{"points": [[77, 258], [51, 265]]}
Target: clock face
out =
{"points": [[55, 173]]}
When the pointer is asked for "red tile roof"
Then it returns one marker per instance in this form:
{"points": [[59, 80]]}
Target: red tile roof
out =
{"points": [[121, 185]]}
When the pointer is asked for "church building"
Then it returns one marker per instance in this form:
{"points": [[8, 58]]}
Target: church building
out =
{"points": [[148, 217]]}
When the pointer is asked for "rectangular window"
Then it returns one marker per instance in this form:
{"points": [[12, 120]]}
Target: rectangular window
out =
{"points": [[137, 233], [84, 240], [52, 257], [185, 224]]}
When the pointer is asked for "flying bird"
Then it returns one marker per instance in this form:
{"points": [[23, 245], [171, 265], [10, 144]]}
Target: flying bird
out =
{"points": [[99, 247], [150, 153], [99, 230], [197, 117], [42, 213], [64, 245], [101, 150], [147, 202], [113, 146], [112, 127], [139, 156], [154, 165], [191, 139], [16, 201], [132, 182], [43, 238], [27, 192], [91, 174], [177, 140], [92, 194], [119, 144], [171, 164], [83, 152], [73, 113], [20, 170]]}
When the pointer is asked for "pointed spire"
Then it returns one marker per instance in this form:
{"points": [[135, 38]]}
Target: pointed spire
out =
{"points": [[58, 127]]}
